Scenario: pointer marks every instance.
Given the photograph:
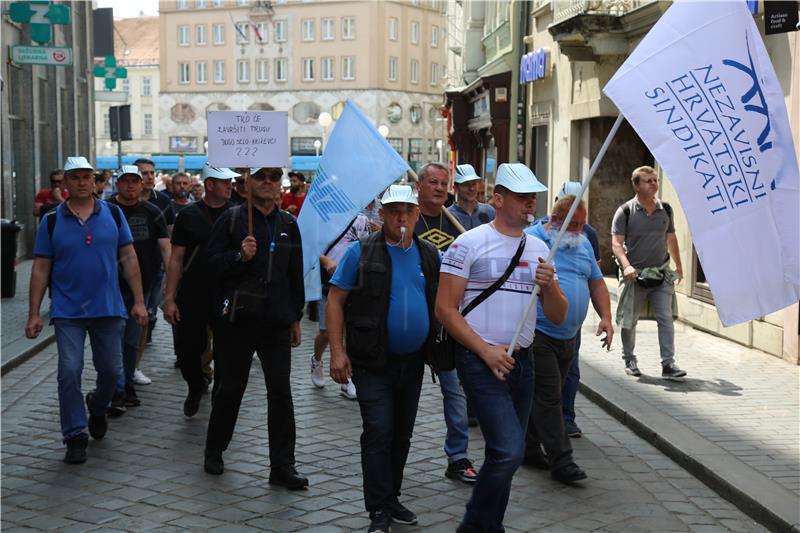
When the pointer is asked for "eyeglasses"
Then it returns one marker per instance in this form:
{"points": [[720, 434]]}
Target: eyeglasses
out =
{"points": [[262, 177]]}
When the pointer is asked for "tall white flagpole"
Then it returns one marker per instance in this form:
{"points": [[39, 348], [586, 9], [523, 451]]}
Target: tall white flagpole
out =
{"points": [[563, 229]]}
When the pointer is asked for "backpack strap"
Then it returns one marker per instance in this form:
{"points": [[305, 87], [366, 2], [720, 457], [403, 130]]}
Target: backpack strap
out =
{"points": [[51, 219]]}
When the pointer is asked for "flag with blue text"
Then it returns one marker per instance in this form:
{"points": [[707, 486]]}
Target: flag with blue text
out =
{"points": [[701, 92], [355, 167]]}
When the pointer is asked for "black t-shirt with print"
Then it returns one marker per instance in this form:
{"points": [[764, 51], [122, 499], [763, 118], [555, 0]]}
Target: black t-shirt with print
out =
{"points": [[437, 230], [191, 230]]}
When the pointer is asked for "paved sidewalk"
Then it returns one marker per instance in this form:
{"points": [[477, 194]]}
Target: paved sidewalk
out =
{"points": [[733, 422], [16, 348], [146, 475]]}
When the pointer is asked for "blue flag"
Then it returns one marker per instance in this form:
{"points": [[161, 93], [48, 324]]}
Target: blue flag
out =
{"points": [[356, 166]]}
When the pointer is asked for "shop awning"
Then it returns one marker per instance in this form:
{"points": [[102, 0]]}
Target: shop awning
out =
{"points": [[304, 162], [194, 162]]}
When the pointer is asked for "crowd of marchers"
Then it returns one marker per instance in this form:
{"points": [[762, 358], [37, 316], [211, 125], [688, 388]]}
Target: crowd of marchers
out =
{"points": [[415, 280]]}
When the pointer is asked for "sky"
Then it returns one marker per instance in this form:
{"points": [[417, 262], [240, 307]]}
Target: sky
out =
{"points": [[127, 9]]}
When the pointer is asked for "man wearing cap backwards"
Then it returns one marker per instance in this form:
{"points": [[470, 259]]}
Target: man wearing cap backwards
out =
{"points": [[499, 386], [554, 344], [78, 251], [261, 303], [468, 210], [435, 227], [187, 296], [151, 242], [292, 200], [381, 299]]}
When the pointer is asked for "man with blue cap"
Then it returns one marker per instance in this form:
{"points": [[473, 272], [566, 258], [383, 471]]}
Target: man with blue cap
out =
{"points": [[79, 248], [499, 386], [381, 299], [469, 212], [187, 301]]}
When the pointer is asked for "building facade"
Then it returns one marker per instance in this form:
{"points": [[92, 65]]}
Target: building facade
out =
{"points": [[305, 58], [136, 46], [47, 114], [571, 51]]}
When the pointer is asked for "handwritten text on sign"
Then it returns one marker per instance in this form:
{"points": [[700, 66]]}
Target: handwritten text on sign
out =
{"points": [[248, 138]]}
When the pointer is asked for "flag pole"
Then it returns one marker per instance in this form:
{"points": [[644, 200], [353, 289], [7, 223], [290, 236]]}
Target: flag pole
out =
{"points": [[564, 224], [249, 202]]}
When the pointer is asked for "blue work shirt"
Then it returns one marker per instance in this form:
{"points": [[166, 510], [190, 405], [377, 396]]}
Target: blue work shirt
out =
{"points": [[483, 214], [576, 267], [84, 276], [407, 321]]}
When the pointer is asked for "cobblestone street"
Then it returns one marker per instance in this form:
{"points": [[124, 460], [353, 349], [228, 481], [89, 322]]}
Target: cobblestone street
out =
{"points": [[147, 474]]}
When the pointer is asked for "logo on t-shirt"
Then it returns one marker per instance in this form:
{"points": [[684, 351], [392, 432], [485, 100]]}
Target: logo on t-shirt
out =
{"points": [[437, 237], [455, 256]]}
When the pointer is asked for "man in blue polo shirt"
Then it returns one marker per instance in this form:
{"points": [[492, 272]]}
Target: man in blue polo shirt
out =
{"points": [[469, 212], [381, 298], [78, 246], [553, 344]]}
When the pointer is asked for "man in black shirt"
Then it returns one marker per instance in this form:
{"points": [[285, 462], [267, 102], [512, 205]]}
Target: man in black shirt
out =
{"points": [[151, 243], [261, 274], [187, 297], [433, 225]]}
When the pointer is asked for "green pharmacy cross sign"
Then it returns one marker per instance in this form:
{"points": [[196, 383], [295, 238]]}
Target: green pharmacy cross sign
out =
{"points": [[110, 71], [41, 15]]}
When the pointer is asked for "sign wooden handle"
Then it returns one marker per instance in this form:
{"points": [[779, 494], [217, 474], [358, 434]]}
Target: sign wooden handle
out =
{"points": [[249, 203]]}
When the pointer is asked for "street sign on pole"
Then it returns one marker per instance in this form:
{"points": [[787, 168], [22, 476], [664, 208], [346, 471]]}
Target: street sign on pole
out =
{"points": [[41, 55], [110, 71]]}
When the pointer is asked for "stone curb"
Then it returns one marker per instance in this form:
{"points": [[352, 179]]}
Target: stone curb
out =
{"points": [[759, 497], [26, 349]]}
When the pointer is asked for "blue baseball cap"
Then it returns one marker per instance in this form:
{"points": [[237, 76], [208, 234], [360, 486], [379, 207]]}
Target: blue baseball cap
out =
{"points": [[516, 177], [465, 173], [570, 188]]}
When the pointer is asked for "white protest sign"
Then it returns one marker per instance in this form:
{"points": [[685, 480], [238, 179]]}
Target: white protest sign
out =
{"points": [[702, 93], [248, 138]]}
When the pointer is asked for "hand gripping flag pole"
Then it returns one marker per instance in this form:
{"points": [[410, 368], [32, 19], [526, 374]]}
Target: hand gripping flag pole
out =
{"points": [[563, 229]]}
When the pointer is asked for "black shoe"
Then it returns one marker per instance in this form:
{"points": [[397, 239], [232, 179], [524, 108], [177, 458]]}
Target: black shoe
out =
{"points": [[379, 522], [288, 477], [631, 369], [568, 474], [117, 407], [131, 399], [536, 459], [98, 424], [671, 371], [76, 449], [213, 463], [192, 403], [400, 514], [462, 470]]}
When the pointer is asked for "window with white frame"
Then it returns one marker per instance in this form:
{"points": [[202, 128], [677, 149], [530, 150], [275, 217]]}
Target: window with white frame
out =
{"points": [[147, 124], [219, 33], [219, 71], [327, 68], [242, 33], [261, 70], [434, 73], [183, 4], [348, 68], [392, 69], [106, 124], [200, 38], [183, 35], [348, 27], [434, 36], [328, 29], [126, 85], [261, 36], [219, 3], [281, 33], [146, 86], [414, 32], [243, 2], [281, 68], [243, 71], [393, 25], [414, 73], [307, 26], [183, 73], [201, 72], [444, 71], [200, 4], [308, 69]]}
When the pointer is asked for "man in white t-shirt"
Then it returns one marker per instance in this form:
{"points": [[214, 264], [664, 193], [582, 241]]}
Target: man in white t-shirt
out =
{"points": [[500, 387]]}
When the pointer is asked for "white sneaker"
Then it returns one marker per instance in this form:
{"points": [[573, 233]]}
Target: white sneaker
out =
{"points": [[349, 390], [140, 379], [317, 374]]}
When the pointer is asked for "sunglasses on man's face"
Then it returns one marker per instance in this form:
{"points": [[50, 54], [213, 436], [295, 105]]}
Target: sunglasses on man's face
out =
{"points": [[262, 177]]}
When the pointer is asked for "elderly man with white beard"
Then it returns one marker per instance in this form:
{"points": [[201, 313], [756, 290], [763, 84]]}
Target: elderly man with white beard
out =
{"points": [[553, 345]]}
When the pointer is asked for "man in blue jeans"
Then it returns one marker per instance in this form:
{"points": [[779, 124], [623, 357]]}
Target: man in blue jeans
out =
{"points": [[499, 385], [381, 298], [78, 246]]}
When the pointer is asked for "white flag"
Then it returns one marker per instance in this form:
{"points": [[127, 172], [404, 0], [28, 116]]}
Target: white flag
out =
{"points": [[701, 92]]}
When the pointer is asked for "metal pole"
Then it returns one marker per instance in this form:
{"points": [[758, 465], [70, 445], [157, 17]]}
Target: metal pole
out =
{"points": [[573, 207]]}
